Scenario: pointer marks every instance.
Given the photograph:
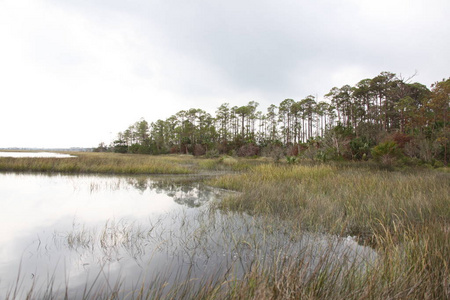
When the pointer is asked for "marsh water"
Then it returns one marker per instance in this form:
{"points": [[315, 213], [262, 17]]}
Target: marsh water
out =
{"points": [[78, 234], [33, 154]]}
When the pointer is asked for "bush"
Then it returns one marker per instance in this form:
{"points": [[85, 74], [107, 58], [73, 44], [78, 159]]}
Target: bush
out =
{"points": [[213, 153], [134, 148], [248, 150], [387, 154], [223, 147], [291, 159], [120, 148], [293, 150], [401, 139], [199, 150], [101, 148], [274, 151], [175, 149], [360, 148]]}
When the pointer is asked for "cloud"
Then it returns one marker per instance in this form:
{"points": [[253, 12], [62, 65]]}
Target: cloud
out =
{"points": [[248, 45], [102, 65]]}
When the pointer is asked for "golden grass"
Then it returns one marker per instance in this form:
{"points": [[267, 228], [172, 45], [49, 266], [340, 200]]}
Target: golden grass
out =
{"points": [[404, 215], [347, 201], [110, 163]]}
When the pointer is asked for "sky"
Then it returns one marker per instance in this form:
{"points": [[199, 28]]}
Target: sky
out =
{"points": [[73, 73]]}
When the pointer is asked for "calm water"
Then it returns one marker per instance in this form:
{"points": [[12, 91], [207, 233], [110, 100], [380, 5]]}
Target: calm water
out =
{"points": [[33, 154], [102, 231]]}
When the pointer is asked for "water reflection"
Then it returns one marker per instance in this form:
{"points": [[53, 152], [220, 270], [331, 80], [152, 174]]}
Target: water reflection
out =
{"points": [[184, 190], [74, 225], [34, 154], [92, 233]]}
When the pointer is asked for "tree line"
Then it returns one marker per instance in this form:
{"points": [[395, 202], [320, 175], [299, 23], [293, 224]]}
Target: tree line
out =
{"points": [[385, 117]]}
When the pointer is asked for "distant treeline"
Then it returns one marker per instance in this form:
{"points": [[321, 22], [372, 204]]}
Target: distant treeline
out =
{"points": [[385, 117]]}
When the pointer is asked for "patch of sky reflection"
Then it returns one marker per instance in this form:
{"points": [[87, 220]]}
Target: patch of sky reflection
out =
{"points": [[34, 154], [99, 231]]}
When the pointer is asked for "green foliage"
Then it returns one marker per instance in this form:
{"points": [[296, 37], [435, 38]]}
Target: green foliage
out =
{"points": [[352, 121], [101, 148], [387, 154], [120, 146], [134, 148], [343, 131], [213, 153], [291, 160], [360, 148], [328, 154]]}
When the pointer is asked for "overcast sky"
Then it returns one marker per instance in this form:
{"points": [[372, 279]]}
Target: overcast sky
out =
{"points": [[76, 72]]}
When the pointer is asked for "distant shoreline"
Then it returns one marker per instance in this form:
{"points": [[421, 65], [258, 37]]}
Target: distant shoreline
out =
{"points": [[72, 149]]}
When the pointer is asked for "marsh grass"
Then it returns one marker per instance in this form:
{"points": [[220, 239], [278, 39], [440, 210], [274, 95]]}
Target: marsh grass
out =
{"points": [[115, 163], [104, 163], [215, 256], [404, 215], [230, 164], [416, 268], [360, 202]]}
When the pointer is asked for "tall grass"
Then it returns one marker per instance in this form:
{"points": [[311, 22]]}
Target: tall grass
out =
{"points": [[211, 256], [110, 163], [405, 216], [347, 201], [115, 163]]}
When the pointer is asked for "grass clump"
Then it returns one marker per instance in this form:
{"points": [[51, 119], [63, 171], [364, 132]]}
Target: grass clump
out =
{"points": [[228, 163]]}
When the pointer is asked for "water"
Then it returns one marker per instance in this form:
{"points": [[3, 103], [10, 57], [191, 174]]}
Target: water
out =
{"points": [[92, 233], [34, 154]]}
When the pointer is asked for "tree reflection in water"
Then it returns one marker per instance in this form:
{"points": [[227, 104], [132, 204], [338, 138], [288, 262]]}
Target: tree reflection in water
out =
{"points": [[188, 191], [95, 231]]}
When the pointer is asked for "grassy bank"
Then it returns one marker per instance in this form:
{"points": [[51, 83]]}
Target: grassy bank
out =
{"points": [[115, 163], [104, 163], [349, 201], [405, 216]]}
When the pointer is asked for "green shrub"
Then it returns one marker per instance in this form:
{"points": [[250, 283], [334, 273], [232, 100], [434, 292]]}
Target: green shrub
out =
{"points": [[387, 154], [291, 159], [213, 153], [360, 148]]}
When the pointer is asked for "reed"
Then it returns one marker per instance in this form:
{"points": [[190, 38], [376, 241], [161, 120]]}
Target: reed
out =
{"points": [[404, 216], [245, 265], [106, 163], [415, 267], [362, 202]]}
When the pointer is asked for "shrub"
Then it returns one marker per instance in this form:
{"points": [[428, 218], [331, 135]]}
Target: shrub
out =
{"points": [[387, 153], [248, 150], [401, 139], [223, 147], [293, 150], [213, 153], [175, 149], [274, 151], [291, 159], [359, 147], [199, 150], [134, 148]]}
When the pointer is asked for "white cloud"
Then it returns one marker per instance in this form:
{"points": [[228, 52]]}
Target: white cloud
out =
{"points": [[74, 71]]}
